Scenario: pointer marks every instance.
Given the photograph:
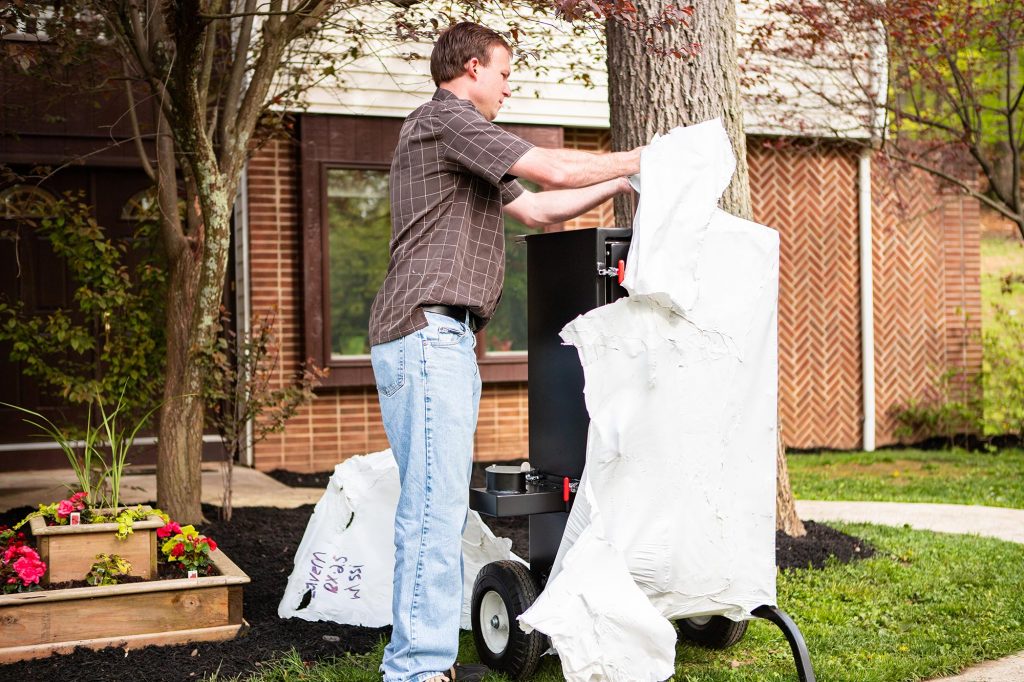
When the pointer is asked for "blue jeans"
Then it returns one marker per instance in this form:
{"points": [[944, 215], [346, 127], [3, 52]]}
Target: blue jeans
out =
{"points": [[429, 389]]}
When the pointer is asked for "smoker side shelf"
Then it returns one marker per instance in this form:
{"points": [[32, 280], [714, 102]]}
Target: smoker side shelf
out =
{"points": [[536, 500]]}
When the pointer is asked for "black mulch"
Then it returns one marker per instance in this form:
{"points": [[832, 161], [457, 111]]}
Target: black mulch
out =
{"points": [[262, 541]]}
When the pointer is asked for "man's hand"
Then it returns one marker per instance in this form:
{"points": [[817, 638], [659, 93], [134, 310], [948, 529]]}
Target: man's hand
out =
{"points": [[570, 168]]}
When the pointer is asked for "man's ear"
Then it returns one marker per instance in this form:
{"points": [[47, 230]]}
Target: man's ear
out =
{"points": [[471, 66]]}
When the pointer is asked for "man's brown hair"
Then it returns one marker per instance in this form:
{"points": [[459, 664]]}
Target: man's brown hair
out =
{"points": [[457, 45]]}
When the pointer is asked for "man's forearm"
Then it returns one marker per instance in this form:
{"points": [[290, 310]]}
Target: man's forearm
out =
{"points": [[571, 168], [557, 206]]}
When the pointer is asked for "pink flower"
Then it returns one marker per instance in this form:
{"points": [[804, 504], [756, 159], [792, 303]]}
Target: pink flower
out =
{"points": [[78, 499], [29, 568], [64, 508], [167, 531]]}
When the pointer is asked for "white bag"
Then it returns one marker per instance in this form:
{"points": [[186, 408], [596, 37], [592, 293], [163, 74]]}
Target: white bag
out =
{"points": [[344, 566]]}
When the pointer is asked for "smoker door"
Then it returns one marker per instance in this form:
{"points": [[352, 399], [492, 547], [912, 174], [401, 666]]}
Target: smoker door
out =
{"points": [[564, 280]]}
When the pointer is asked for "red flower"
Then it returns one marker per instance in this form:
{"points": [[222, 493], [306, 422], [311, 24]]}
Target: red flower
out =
{"points": [[64, 508], [178, 549], [29, 568], [167, 531], [212, 544]]}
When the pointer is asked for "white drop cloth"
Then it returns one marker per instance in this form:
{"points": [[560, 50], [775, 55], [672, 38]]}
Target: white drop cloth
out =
{"points": [[346, 559], [681, 387]]}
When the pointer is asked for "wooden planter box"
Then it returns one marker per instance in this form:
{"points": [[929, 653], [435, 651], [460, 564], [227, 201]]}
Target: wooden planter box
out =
{"points": [[159, 612], [70, 551]]}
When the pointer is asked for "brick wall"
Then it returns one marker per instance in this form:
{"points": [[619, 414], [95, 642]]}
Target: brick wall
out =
{"points": [[591, 140], [809, 194], [926, 271]]}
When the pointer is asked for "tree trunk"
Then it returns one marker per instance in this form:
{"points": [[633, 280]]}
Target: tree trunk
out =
{"points": [[786, 518], [651, 91], [197, 258], [196, 278], [180, 442]]}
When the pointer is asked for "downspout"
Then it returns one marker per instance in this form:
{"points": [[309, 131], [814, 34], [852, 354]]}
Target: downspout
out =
{"points": [[243, 299], [867, 302]]}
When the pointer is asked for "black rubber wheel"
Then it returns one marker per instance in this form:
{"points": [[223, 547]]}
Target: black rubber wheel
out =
{"points": [[712, 632], [502, 592]]}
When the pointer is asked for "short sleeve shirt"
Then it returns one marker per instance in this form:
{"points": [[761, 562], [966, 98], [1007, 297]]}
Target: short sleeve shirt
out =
{"points": [[449, 180]]}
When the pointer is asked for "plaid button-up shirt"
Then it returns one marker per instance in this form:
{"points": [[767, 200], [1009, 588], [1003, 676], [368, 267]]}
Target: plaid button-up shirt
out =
{"points": [[449, 179]]}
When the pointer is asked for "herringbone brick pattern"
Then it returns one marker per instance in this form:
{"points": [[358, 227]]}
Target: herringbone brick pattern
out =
{"points": [[809, 194], [910, 316]]}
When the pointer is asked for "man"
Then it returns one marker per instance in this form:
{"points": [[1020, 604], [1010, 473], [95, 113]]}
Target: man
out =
{"points": [[453, 174]]}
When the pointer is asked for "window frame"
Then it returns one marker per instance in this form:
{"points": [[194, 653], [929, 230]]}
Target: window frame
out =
{"points": [[332, 141]]}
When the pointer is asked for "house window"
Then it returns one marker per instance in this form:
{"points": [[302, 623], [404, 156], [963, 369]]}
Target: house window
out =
{"points": [[22, 202], [144, 205], [506, 332], [141, 206], [358, 232], [346, 230]]}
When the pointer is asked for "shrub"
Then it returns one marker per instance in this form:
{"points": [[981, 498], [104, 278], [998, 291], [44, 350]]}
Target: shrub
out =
{"points": [[1003, 374], [952, 407], [113, 334]]}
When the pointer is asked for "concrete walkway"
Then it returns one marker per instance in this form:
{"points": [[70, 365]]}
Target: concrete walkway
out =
{"points": [[995, 522], [253, 488]]}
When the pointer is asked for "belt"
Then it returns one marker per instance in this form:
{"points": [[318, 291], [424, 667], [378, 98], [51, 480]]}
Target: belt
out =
{"points": [[456, 312]]}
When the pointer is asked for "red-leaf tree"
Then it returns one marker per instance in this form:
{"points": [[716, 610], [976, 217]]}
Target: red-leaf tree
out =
{"points": [[936, 85]]}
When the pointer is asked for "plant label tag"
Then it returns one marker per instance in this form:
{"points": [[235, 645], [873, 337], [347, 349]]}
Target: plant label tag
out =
{"points": [[75, 519], [193, 574]]}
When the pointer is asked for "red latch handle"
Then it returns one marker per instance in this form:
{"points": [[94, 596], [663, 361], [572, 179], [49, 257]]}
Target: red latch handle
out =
{"points": [[565, 489], [622, 271]]}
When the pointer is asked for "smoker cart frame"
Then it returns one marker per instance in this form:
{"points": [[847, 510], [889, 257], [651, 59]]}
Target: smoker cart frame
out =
{"points": [[568, 273]]}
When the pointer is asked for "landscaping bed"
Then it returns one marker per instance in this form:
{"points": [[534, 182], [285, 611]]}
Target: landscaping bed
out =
{"points": [[262, 541]]}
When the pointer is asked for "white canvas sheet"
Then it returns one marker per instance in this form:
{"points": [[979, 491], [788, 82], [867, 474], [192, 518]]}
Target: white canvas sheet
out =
{"points": [[346, 559], [681, 387]]}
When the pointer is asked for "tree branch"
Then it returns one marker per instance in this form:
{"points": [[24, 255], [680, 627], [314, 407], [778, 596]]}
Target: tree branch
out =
{"points": [[276, 37], [140, 149], [241, 55], [167, 190], [998, 206], [209, 51]]}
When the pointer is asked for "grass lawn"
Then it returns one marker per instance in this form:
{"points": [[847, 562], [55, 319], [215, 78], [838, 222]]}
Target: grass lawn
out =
{"points": [[1000, 256], [950, 476], [928, 604]]}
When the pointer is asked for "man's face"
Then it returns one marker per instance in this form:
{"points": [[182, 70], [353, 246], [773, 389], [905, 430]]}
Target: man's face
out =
{"points": [[491, 85]]}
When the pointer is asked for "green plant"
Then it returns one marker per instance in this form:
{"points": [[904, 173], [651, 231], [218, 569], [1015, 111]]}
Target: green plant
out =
{"points": [[951, 407], [241, 404], [125, 519], [1003, 373], [107, 569], [113, 334], [98, 460]]}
